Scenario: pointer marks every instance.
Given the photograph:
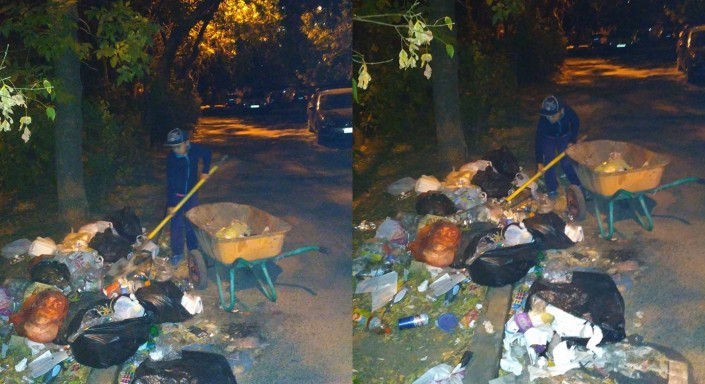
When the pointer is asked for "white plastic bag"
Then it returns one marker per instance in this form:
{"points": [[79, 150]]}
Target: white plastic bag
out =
{"points": [[427, 183], [442, 374], [42, 246], [17, 247], [477, 165], [401, 186]]}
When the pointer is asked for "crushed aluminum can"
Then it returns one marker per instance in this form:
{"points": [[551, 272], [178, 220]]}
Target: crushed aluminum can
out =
{"points": [[366, 226], [404, 195]]}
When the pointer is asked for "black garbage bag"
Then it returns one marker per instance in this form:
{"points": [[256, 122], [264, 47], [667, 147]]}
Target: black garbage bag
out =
{"points": [[549, 230], [500, 266], [52, 273], [111, 246], [193, 367], [591, 296], [108, 344], [504, 161], [493, 183], [126, 223], [435, 203], [163, 299], [86, 307]]}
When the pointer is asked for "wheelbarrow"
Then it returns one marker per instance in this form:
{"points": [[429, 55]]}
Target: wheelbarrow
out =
{"points": [[630, 185], [253, 252]]}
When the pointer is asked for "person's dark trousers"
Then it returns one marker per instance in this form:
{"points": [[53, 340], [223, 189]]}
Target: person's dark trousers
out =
{"points": [[179, 225], [552, 147]]}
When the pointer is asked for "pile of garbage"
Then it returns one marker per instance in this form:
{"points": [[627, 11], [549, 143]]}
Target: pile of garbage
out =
{"points": [[429, 269], [98, 299], [567, 325], [567, 316]]}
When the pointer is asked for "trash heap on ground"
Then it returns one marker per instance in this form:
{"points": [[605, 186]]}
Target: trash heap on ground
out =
{"points": [[106, 296], [463, 237]]}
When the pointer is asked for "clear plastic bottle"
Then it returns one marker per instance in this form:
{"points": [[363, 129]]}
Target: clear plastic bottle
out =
{"points": [[378, 326], [162, 269]]}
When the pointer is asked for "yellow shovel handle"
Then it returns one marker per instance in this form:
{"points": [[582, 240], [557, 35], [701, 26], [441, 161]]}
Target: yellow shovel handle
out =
{"points": [[536, 176], [183, 201]]}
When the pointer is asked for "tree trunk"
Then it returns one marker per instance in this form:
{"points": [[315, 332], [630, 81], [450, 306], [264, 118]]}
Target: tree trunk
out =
{"points": [[73, 205], [452, 150]]}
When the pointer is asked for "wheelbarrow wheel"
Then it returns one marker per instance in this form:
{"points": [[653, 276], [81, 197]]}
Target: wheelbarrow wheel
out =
{"points": [[575, 201], [197, 270]]}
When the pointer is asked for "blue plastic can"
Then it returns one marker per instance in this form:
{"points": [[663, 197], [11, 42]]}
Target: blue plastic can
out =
{"points": [[412, 321]]}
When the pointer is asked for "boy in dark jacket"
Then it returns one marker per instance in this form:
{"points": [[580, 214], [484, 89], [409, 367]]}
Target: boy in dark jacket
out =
{"points": [[556, 130], [182, 174]]}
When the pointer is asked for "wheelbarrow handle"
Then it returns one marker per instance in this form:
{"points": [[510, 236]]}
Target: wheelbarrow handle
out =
{"points": [[184, 199]]}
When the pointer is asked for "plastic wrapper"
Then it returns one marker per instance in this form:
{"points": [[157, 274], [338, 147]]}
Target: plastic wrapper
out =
{"points": [[6, 302], [391, 230], [436, 244], [41, 316], [235, 229], [615, 163], [75, 241], [475, 166], [465, 198], [459, 179], [97, 227], [90, 309]]}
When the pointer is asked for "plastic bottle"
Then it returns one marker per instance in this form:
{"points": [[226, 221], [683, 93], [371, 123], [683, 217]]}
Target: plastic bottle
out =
{"points": [[127, 307], [162, 269], [378, 326]]}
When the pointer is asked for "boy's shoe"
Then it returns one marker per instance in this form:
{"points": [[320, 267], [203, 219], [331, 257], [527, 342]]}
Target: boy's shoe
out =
{"points": [[176, 259]]}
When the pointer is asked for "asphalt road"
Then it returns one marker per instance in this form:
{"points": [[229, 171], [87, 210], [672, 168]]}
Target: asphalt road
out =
{"points": [[274, 164], [645, 101]]}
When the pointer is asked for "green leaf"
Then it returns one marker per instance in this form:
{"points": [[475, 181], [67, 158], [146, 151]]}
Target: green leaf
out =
{"points": [[47, 86], [449, 22], [450, 50], [51, 113]]}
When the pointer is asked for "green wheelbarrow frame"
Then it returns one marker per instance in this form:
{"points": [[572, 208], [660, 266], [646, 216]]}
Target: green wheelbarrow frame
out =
{"points": [[643, 216], [264, 281], [251, 251]]}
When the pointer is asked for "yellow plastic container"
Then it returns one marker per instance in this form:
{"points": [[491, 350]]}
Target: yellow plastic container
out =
{"points": [[646, 173], [267, 239]]}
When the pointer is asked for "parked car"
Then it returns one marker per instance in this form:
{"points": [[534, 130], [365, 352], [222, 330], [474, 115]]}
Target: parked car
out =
{"points": [[254, 101], [330, 115], [690, 53]]}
